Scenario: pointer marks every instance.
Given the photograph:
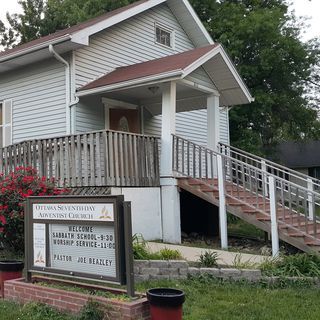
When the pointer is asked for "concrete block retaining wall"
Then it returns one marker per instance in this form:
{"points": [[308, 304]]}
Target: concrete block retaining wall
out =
{"points": [[178, 269]]}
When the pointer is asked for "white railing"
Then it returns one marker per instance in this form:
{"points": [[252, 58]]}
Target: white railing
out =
{"points": [[291, 204], [271, 167]]}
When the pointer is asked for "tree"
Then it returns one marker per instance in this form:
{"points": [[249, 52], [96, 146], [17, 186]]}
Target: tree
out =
{"points": [[262, 37], [43, 17]]}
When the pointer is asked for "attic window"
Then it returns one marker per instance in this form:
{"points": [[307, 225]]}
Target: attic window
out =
{"points": [[164, 36]]}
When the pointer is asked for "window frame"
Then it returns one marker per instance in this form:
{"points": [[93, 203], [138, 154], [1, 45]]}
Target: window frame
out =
{"points": [[4, 124], [167, 29]]}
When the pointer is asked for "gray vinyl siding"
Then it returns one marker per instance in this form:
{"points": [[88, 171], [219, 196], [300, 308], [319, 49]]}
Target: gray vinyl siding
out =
{"points": [[128, 42], [38, 96], [191, 125], [90, 115], [224, 126], [200, 77]]}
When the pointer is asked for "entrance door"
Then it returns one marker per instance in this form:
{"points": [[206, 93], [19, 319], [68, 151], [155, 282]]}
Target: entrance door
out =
{"points": [[127, 120]]}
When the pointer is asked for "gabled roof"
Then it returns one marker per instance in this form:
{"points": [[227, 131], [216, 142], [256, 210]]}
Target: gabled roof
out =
{"points": [[213, 58], [68, 32], [78, 35], [169, 64]]}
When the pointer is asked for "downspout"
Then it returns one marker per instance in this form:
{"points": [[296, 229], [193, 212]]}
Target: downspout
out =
{"points": [[69, 102]]}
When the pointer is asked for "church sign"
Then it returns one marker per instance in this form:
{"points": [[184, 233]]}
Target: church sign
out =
{"points": [[77, 236]]}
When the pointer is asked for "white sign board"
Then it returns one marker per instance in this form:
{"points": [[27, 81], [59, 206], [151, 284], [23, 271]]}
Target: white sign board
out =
{"points": [[74, 211], [83, 248]]}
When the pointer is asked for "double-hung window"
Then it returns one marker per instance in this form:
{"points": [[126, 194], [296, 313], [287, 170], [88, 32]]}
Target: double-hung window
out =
{"points": [[5, 123]]}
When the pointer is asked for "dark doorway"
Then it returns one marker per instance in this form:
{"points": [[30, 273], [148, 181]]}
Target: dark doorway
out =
{"points": [[198, 216]]}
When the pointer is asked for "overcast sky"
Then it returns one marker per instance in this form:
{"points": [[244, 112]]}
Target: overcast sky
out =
{"points": [[310, 8]]}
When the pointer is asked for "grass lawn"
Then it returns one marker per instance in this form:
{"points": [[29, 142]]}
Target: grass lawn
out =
{"points": [[207, 299], [211, 299]]}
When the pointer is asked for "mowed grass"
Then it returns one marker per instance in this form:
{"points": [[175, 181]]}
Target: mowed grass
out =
{"points": [[31, 311], [215, 300], [211, 299]]}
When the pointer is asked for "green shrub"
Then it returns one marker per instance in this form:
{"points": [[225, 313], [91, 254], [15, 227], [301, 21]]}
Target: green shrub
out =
{"points": [[142, 252], [169, 254], [297, 265], [40, 311], [139, 246], [91, 311], [238, 263], [208, 259]]}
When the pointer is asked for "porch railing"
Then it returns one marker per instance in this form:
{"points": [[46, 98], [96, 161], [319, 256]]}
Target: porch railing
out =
{"points": [[101, 158], [255, 187]]}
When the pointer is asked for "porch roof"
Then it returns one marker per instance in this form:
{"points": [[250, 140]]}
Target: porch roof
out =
{"points": [[212, 58]]}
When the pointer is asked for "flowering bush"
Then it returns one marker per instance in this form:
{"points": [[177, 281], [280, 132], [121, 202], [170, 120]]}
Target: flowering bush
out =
{"points": [[14, 189]]}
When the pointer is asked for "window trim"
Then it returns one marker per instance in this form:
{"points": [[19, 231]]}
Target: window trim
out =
{"points": [[6, 125], [166, 29]]}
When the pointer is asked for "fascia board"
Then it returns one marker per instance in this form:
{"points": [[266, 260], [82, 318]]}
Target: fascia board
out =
{"points": [[219, 50], [35, 48], [168, 76], [87, 32], [198, 21]]}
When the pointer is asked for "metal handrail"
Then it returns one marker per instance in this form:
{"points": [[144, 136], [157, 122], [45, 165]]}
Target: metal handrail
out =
{"points": [[248, 182], [273, 166]]}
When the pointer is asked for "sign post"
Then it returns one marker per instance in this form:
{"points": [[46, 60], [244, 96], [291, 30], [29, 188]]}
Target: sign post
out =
{"points": [[80, 237]]}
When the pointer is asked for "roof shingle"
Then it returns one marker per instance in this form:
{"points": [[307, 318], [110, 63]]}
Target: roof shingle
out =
{"points": [[150, 68]]}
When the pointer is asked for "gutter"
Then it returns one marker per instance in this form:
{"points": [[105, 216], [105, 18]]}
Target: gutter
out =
{"points": [[42, 45], [148, 80], [69, 102]]}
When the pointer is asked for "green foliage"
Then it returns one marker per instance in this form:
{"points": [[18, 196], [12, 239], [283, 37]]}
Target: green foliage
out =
{"points": [[39, 311], [14, 189], [263, 39], [298, 265], [43, 17], [212, 299], [142, 252], [169, 254], [91, 311], [238, 263], [208, 259]]}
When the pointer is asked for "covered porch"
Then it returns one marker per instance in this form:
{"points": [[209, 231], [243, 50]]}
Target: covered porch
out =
{"points": [[109, 146]]}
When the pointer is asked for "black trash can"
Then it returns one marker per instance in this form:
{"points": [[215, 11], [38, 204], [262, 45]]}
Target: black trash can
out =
{"points": [[165, 303], [9, 270]]}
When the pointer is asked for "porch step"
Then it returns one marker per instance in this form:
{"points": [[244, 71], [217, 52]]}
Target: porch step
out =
{"points": [[293, 227]]}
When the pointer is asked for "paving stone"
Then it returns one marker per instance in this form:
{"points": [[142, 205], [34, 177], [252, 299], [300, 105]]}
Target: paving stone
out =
{"points": [[193, 271], [178, 264], [212, 271], [183, 271], [169, 271], [141, 277], [251, 275], [159, 264], [150, 271], [141, 263], [230, 273]]}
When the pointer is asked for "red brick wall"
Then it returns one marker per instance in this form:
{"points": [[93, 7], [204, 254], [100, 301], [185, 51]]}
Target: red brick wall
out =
{"points": [[20, 291]]}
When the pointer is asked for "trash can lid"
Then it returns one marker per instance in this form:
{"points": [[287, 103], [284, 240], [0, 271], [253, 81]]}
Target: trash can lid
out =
{"points": [[166, 297], [11, 265]]}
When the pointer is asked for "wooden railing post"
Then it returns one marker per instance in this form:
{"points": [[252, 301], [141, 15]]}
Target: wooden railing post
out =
{"points": [[222, 204], [273, 214]]}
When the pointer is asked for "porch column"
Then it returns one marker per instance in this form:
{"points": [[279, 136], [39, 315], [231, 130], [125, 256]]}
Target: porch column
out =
{"points": [[170, 199], [168, 127], [213, 122]]}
